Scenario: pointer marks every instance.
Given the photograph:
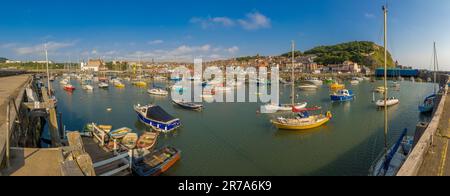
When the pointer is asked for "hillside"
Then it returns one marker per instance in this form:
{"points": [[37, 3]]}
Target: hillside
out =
{"points": [[362, 52], [2, 60]]}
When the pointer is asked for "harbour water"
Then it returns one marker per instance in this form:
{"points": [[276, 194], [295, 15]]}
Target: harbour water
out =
{"points": [[233, 139]]}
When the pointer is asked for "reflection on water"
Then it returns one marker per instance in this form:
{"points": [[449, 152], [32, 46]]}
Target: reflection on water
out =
{"points": [[232, 139]]}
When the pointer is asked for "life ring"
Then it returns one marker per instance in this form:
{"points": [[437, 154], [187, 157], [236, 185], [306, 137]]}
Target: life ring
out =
{"points": [[329, 115]]}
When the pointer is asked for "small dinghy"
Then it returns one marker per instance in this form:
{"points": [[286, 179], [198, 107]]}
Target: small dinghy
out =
{"points": [[88, 87], [354, 82], [130, 140], [390, 102], [148, 140], [120, 133], [188, 105], [156, 163], [103, 85], [158, 91]]}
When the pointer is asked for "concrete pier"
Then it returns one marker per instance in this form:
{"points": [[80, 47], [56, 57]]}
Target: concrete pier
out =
{"points": [[430, 156], [12, 88]]}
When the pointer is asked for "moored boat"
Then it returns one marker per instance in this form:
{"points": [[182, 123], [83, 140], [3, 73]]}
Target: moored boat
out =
{"points": [[147, 140], [354, 82], [103, 85], [272, 108], [380, 89], [88, 87], [139, 83], [430, 101], [187, 105], [308, 87], [130, 140], [336, 86], [302, 122], [155, 117], [342, 95], [69, 87], [158, 91], [428, 104], [314, 81], [390, 102], [390, 163], [119, 85], [119, 133], [157, 162]]}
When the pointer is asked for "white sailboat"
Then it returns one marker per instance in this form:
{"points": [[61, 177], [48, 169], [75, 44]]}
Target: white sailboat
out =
{"points": [[272, 108]]}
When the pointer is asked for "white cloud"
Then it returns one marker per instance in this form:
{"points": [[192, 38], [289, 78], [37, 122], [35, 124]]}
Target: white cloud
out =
{"points": [[255, 21], [155, 42], [212, 22], [39, 49], [185, 53], [252, 21], [369, 15], [233, 49]]}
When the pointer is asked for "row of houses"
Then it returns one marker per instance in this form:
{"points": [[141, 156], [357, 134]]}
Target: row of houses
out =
{"points": [[37, 62], [305, 64]]}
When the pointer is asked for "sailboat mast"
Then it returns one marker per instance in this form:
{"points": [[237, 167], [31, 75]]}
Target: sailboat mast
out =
{"points": [[48, 73], [434, 65], [293, 74], [385, 82]]}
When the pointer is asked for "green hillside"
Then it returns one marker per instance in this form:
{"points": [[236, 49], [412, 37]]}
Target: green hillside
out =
{"points": [[2, 60], [362, 52]]}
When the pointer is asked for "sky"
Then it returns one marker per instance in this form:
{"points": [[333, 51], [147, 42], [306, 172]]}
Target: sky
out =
{"points": [[181, 30]]}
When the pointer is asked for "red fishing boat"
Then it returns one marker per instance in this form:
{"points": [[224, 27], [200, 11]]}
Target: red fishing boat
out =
{"points": [[69, 87]]}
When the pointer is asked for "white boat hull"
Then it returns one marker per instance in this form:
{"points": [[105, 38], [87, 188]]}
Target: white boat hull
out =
{"points": [[391, 102]]}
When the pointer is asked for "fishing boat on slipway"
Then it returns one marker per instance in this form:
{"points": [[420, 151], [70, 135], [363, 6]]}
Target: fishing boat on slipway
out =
{"points": [[158, 119]]}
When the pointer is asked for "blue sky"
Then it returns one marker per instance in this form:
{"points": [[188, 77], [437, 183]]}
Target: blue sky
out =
{"points": [[182, 30]]}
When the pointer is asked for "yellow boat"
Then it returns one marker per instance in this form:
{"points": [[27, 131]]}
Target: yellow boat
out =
{"points": [[337, 86], [140, 83], [380, 89], [302, 123], [120, 85]]}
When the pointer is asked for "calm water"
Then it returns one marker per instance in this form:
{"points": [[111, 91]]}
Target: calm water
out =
{"points": [[232, 139]]}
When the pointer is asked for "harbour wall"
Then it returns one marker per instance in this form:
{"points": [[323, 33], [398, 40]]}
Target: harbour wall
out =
{"points": [[13, 89], [415, 160]]}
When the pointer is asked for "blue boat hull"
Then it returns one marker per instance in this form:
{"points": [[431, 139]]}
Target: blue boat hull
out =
{"points": [[425, 108], [164, 127], [341, 98]]}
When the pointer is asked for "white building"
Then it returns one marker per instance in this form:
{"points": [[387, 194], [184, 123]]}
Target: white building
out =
{"points": [[11, 61]]}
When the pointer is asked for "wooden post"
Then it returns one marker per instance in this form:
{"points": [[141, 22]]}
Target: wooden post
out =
{"points": [[53, 121], [131, 158], [115, 145]]}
